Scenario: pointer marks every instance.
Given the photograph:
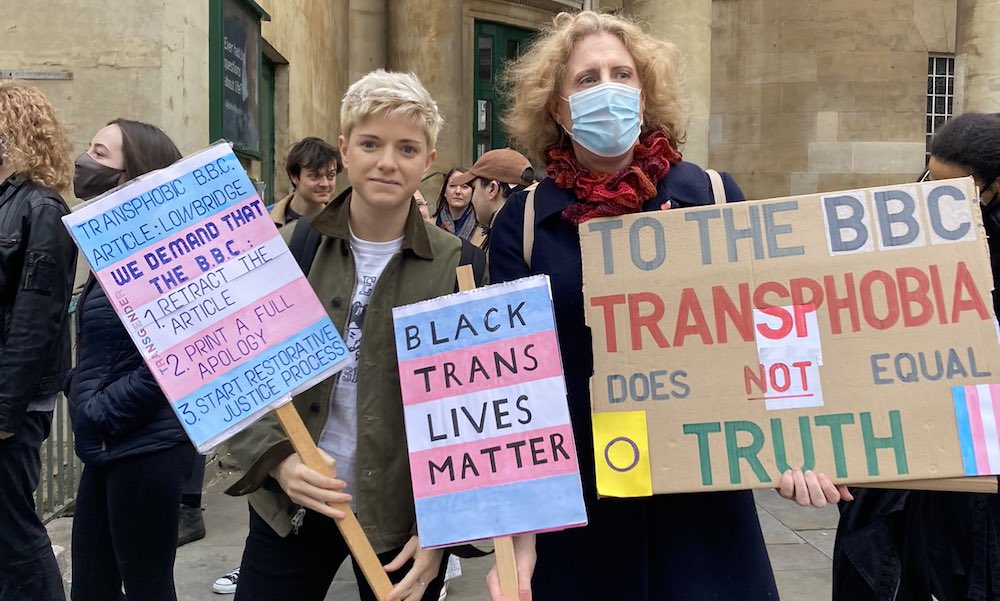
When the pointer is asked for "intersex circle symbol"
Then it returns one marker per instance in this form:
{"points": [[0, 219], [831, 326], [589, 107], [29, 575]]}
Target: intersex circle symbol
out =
{"points": [[635, 454]]}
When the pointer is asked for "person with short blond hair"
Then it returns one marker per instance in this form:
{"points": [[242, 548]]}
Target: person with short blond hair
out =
{"points": [[375, 252], [37, 267]]}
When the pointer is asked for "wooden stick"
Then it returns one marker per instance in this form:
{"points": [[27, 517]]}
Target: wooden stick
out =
{"points": [[506, 566], [504, 545], [466, 278], [979, 484], [350, 528]]}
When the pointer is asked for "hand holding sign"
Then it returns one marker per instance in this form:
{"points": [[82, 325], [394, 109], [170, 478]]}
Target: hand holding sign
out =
{"points": [[311, 488], [809, 488], [426, 566]]}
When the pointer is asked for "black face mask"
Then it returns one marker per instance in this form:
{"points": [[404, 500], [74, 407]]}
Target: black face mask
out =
{"points": [[92, 178]]}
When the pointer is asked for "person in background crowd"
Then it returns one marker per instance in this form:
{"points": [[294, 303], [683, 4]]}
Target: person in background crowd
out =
{"points": [[312, 166], [494, 176], [898, 544], [135, 453], [373, 234], [598, 101], [454, 211], [37, 266]]}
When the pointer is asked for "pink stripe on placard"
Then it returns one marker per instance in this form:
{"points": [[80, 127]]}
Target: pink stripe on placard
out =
{"points": [[206, 356], [976, 423], [458, 464], [535, 357], [141, 291]]}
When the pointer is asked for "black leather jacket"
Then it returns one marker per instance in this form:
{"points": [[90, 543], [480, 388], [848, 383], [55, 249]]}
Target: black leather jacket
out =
{"points": [[37, 267]]}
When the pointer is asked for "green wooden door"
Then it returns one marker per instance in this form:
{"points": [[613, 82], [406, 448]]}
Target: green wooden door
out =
{"points": [[267, 129], [495, 44]]}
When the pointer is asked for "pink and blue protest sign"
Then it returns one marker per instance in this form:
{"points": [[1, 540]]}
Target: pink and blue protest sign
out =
{"points": [[209, 292], [487, 424]]}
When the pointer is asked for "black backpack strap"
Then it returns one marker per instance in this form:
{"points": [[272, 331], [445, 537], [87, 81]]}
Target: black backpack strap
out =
{"points": [[475, 257], [304, 243]]}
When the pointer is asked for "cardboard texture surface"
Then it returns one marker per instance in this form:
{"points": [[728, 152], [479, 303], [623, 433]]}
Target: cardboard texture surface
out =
{"points": [[850, 333], [209, 292], [491, 446]]}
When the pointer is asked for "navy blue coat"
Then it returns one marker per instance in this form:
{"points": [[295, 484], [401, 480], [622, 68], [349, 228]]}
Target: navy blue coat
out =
{"points": [[117, 408], [683, 547]]}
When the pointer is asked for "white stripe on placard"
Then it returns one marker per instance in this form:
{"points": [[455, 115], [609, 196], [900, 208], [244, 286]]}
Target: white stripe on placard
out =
{"points": [[546, 403], [989, 426], [240, 288]]}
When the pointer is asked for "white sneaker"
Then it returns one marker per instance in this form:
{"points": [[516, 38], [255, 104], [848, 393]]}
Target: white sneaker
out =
{"points": [[227, 584]]}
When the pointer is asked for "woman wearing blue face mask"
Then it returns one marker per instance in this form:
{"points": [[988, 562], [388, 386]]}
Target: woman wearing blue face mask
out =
{"points": [[598, 102]]}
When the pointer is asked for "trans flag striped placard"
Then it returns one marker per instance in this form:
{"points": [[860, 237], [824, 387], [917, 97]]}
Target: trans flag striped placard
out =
{"points": [[209, 292], [977, 413], [491, 446]]}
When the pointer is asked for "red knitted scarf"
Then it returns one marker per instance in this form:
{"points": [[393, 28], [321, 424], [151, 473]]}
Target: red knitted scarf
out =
{"points": [[611, 194]]}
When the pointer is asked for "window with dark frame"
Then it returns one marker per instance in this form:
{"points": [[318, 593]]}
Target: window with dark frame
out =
{"points": [[940, 95]]}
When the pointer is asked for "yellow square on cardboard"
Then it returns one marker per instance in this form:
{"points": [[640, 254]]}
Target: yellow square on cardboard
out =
{"points": [[621, 453]]}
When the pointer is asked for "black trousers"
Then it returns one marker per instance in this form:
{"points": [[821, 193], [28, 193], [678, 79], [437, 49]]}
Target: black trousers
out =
{"points": [[125, 526], [28, 569], [300, 567]]}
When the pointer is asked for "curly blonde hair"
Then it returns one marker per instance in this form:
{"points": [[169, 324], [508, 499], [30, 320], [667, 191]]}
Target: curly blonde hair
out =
{"points": [[32, 138], [532, 80]]}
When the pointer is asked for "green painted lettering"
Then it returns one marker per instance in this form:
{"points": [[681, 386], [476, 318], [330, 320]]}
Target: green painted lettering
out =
{"points": [[747, 453], [704, 452], [808, 451], [836, 422], [894, 441]]}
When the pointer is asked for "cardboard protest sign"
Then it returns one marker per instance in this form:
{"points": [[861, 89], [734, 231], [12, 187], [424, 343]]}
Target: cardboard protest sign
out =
{"points": [[487, 424], [209, 292], [850, 333]]}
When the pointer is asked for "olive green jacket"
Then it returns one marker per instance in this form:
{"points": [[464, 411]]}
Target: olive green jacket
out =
{"points": [[423, 268]]}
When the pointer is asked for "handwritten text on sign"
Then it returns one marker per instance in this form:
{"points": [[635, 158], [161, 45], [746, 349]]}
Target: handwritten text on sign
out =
{"points": [[209, 292], [835, 332], [487, 425]]}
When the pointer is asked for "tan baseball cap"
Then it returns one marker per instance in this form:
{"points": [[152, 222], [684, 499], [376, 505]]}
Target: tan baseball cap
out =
{"points": [[503, 165]]}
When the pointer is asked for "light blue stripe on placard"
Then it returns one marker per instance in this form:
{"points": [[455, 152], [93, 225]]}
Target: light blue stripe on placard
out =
{"points": [[964, 431], [544, 504], [285, 366], [149, 223], [536, 313]]}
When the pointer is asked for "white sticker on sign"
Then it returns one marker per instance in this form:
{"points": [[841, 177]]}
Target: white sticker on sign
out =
{"points": [[787, 381], [793, 327]]}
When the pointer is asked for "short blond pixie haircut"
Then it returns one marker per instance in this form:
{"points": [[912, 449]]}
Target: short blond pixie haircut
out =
{"points": [[392, 94], [32, 138], [532, 81]]}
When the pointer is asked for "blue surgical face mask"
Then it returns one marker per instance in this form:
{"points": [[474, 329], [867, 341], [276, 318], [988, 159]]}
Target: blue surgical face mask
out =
{"points": [[606, 118]]}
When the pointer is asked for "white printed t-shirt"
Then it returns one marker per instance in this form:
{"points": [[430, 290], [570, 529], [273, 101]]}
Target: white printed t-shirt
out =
{"points": [[340, 434]]}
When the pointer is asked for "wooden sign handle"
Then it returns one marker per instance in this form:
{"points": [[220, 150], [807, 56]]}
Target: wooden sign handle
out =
{"points": [[350, 528], [506, 567], [504, 545]]}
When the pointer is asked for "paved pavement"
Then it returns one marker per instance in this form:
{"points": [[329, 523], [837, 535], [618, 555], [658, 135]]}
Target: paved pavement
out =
{"points": [[799, 540]]}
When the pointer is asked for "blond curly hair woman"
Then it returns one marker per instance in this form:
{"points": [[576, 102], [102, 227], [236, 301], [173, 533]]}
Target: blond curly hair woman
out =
{"points": [[601, 104], [37, 265], [32, 138]]}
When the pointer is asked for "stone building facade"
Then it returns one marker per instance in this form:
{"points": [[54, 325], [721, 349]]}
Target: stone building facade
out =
{"points": [[791, 96]]}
